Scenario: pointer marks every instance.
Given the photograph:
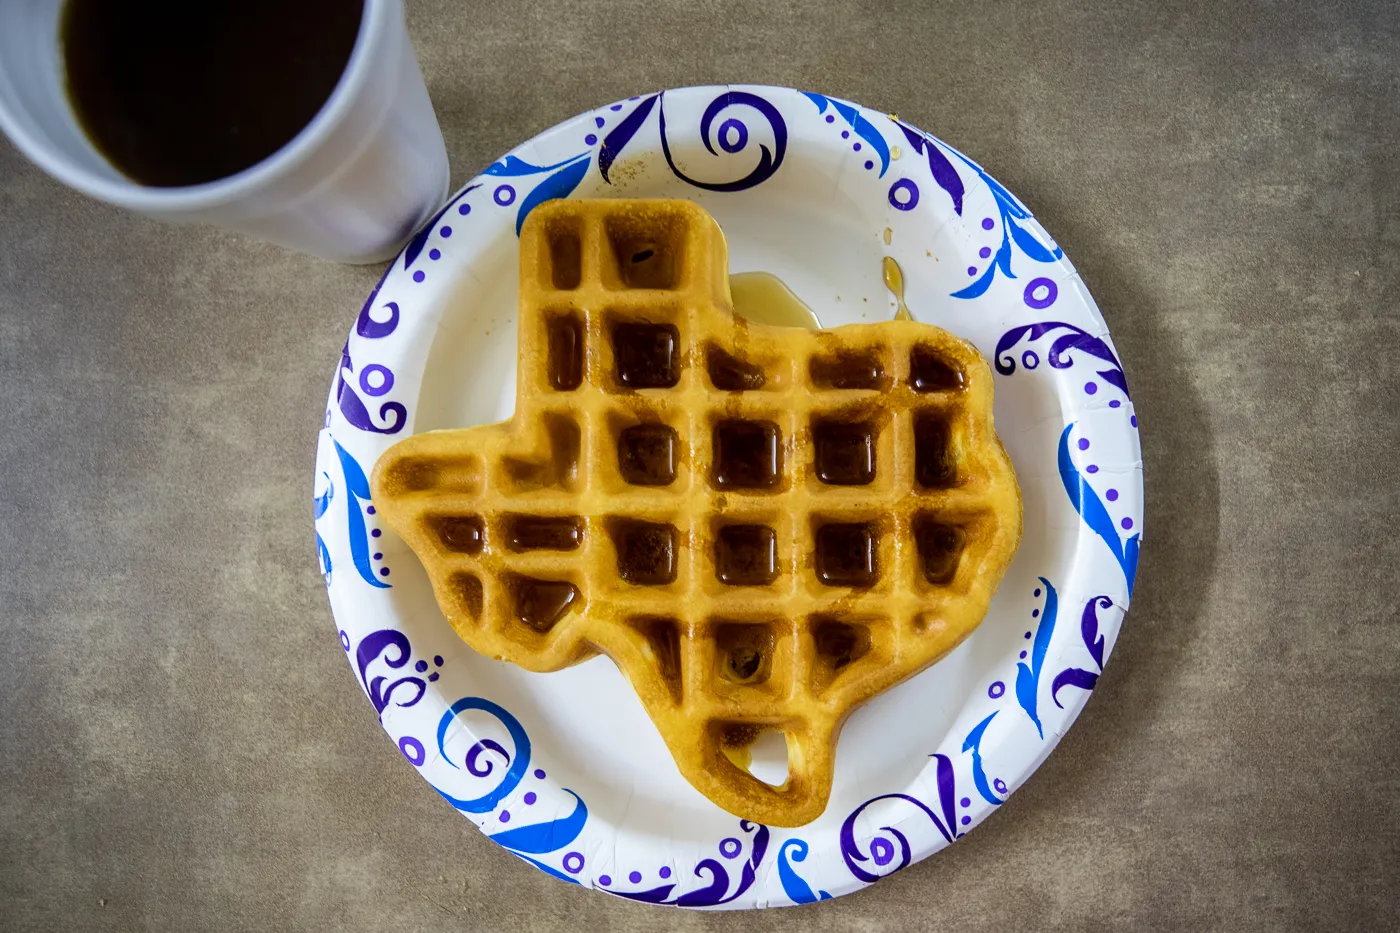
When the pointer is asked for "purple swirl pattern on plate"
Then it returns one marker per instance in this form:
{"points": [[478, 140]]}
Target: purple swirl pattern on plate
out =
{"points": [[718, 890], [769, 161], [1075, 338], [1093, 643], [888, 843]]}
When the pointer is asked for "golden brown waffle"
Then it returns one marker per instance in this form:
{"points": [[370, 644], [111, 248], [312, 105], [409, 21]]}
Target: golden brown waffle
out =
{"points": [[763, 527]]}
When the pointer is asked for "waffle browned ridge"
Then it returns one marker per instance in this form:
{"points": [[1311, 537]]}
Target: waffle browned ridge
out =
{"points": [[763, 527]]}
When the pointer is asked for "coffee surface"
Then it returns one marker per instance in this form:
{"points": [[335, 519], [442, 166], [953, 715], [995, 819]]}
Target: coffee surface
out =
{"points": [[175, 93]]}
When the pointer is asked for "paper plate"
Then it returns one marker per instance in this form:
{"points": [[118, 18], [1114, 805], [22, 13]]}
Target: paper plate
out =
{"points": [[565, 770]]}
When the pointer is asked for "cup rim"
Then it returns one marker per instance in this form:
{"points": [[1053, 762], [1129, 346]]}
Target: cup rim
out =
{"points": [[130, 194]]}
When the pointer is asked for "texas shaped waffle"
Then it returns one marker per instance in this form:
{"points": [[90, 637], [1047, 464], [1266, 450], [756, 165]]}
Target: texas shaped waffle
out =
{"points": [[763, 527]]}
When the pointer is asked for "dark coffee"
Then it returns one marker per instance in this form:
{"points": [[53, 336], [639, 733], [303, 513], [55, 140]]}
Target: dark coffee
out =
{"points": [[178, 93]]}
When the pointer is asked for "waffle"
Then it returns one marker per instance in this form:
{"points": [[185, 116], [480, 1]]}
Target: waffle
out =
{"points": [[763, 527]]}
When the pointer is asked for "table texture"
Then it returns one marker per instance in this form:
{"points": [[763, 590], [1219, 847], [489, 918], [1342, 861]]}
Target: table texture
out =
{"points": [[185, 749]]}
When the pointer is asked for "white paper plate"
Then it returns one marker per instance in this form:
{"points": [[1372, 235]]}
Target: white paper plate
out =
{"points": [[565, 769]]}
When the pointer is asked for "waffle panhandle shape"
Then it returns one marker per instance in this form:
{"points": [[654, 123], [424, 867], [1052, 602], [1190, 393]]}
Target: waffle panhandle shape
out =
{"points": [[763, 527]]}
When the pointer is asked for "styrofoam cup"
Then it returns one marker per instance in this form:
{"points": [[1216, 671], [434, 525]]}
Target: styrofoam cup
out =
{"points": [[352, 186]]}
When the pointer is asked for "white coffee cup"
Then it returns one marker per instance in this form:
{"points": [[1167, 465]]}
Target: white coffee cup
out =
{"points": [[352, 186]]}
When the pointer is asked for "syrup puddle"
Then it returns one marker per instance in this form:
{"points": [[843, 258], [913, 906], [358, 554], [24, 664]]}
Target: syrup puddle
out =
{"points": [[763, 298]]}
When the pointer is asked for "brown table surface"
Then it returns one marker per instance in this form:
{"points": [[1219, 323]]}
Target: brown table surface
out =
{"points": [[184, 749]]}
